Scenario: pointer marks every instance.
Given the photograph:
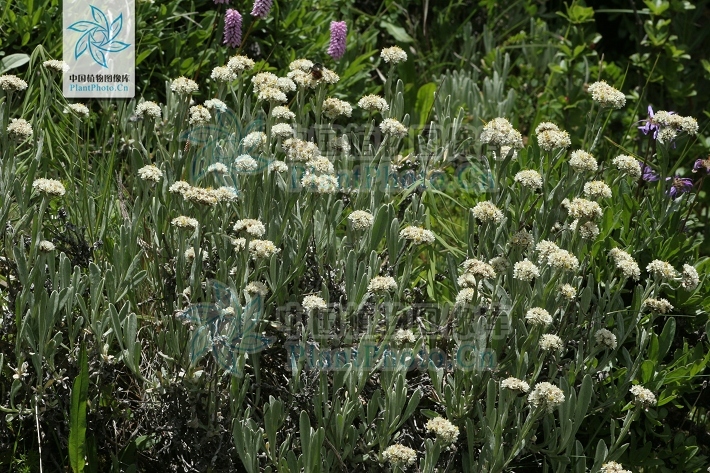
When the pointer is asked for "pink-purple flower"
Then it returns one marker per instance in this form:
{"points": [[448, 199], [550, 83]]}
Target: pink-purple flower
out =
{"points": [[338, 33], [261, 8], [232, 28], [217, 2], [679, 185]]}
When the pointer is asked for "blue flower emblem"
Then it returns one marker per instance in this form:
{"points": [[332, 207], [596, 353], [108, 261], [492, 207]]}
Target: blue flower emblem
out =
{"points": [[99, 36]]}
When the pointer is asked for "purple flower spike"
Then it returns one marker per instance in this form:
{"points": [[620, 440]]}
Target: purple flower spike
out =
{"points": [[217, 2], [232, 28], [702, 164], [338, 33], [261, 8], [680, 185], [647, 173]]}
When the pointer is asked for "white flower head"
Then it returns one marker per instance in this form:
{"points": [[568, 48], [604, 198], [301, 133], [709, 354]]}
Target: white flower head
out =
{"points": [[393, 55], [150, 173], [184, 86], [606, 95], [417, 235], [444, 430], [546, 395], [314, 303], [499, 132], [361, 220]]}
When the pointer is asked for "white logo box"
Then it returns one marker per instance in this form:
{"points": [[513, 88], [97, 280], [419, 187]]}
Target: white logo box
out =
{"points": [[99, 47]]}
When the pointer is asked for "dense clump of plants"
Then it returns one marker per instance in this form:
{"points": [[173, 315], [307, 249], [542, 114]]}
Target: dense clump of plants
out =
{"points": [[281, 266]]}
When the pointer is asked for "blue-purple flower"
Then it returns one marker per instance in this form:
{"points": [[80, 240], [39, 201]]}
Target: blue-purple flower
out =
{"points": [[702, 164], [232, 28], [647, 173], [338, 33], [679, 185]]}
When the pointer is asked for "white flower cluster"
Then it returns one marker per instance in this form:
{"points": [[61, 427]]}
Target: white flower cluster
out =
{"points": [[256, 288], [563, 259], [150, 173], [605, 337], [12, 83], [320, 184], [46, 246], [19, 129], [199, 115], [606, 95], [215, 104], [582, 161], [690, 278], [262, 249], [219, 168], [538, 316], [643, 396], [628, 266], [443, 429], [672, 124], [282, 113], [584, 209], [223, 74], [148, 109], [613, 467], [239, 64], [549, 136], [400, 456], [523, 239], [662, 269], [529, 178], [185, 222], [588, 230], [549, 342], [393, 55], [278, 166], [245, 164], [56, 66], [597, 189], [662, 306], [314, 303], [79, 108], [515, 384], [391, 126], [251, 226], [184, 86], [525, 270], [282, 130], [403, 336], [373, 103], [49, 187], [333, 108], [487, 212], [479, 269], [382, 284], [198, 195], [417, 235], [499, 132], [546, 395], [568, 292], [361, 220], [300, 150], [627, 165]]}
